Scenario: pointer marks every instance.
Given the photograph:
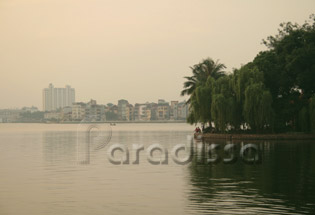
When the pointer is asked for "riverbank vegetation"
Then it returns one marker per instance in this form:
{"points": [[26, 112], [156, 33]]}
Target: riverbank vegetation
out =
{"points": [[274, 93]]}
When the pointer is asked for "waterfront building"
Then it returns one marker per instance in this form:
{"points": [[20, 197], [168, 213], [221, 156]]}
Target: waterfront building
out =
{"points": [[163, 110], [114, 109], [66, 114], [9, 115], [147, 115], [90, 111], [130, 112], [78, 111], [55, 98], [173, 110], [95, 112], [140, 112], [123, 110], [151, 111]]}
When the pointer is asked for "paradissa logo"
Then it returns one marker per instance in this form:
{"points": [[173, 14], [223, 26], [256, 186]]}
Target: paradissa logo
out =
{"points": [[249, 154], [92, 137], [162, 159]]}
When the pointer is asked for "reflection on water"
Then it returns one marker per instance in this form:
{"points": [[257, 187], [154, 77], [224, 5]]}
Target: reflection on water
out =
{"points": [[282, 184], [40, 175], [59, 146]]}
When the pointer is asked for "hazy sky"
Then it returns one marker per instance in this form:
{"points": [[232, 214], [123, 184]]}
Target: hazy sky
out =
{"points": [[138, 50]]}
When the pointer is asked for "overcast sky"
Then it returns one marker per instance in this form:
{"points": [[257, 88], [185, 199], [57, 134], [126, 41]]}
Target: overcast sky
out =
{"points": [[138, 50]]}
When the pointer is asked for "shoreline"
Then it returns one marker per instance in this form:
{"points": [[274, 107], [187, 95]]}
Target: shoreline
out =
{"points": [[100, 122], [259, 136]]}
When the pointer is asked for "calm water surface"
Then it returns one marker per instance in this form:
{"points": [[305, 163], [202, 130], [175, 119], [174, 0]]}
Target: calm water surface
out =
{"points": [[40, 174]]}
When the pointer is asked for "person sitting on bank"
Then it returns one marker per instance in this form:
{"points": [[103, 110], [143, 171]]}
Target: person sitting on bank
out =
{"points": [[197, 130]]}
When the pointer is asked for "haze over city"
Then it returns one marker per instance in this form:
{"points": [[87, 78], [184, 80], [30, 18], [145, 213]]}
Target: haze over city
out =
{"points": [[135, 50], [180, 107]]}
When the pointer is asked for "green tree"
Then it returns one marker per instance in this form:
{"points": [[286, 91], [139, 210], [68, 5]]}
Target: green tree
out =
{"points": [[312, 114], [303, 120], [289, 71], [273, 92], [257, 110], [224, 106], [198, 88]]}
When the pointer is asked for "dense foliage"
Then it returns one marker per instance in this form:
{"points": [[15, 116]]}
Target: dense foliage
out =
{"points": [[273, 93]]}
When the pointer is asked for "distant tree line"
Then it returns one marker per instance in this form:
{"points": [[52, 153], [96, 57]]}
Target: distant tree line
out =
{"points": [[28, 116], [273, 93]]}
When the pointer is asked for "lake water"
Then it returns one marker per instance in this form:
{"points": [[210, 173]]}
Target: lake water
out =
{"points": [[41, 173]]}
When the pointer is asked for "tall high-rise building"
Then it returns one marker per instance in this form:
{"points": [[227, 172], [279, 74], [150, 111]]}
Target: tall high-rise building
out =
{"points": [[55, 98]]}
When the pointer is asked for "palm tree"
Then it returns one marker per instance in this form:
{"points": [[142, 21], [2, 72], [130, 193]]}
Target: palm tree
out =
{"points": [[195, 87], [201, 72], [213, 69]]}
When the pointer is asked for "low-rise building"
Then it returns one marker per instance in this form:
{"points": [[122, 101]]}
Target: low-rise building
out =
{"points": [[95, 112], [130, 112], [66, 114], [78, 111], [123, 110], [90, 111], [163, 110], [9, 115], [114, 109], [140, 112], [173, 110]]}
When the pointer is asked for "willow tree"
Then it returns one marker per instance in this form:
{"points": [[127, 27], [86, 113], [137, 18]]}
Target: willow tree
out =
{"points": [[203, 98], [304, 119], [219, 110], [312, 114], [258, 112], [243, 77], [240, 80], [224, 105]]}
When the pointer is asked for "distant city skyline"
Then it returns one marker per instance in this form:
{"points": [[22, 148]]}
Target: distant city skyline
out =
{"points": [[139, 52], [59, 106]]}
